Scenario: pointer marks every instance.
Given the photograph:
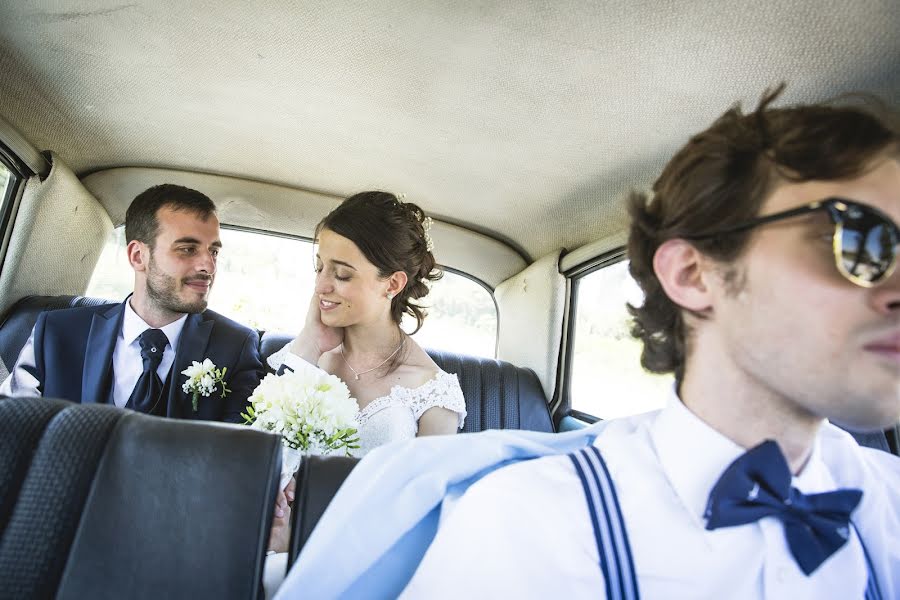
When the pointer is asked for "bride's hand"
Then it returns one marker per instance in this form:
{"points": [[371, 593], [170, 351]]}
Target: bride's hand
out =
{"points": [[280, 534], [316, 338]]}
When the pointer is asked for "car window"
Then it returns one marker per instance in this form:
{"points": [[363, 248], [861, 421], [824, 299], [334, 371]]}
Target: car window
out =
{"points": [[6, 184], [4, 179], [462, 317], [607, 379], [265, 281]]}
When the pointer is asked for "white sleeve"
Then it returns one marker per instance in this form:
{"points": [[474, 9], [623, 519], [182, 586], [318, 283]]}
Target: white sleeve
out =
{"points": [[22, 380], [499, 542], [291, 361], [442, 391], [273, 572]]}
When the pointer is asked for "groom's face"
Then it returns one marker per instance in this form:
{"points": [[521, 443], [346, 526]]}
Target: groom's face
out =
{"points": [[182, 264]]}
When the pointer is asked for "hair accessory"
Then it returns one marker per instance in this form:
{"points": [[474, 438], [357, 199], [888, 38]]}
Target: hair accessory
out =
{"points": [[426, 225]]}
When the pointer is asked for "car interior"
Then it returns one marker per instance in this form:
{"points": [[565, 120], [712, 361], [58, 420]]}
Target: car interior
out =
{"points": [[520, 129]]}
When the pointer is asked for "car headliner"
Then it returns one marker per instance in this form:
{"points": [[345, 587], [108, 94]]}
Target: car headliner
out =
{"points": [[527, 121]]}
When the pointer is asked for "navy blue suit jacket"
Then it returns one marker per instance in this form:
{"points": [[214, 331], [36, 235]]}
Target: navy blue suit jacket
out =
{"points": [[74, 347]]}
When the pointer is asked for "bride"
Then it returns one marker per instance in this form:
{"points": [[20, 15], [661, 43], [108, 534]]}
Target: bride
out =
{"points": [[372, 263]]}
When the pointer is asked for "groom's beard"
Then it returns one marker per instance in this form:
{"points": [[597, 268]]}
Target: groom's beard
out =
{"points": [[163, 291]]}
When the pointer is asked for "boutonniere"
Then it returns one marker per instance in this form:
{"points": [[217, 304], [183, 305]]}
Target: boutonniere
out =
{"points": [[203, 379]]}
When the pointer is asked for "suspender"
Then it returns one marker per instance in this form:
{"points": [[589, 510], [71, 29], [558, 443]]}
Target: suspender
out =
{"points": [[612, 539], [873, 592], [609, 528]]}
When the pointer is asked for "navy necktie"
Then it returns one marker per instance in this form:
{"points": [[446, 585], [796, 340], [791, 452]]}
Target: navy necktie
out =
{"points": [[758, 484], [149, 386]]}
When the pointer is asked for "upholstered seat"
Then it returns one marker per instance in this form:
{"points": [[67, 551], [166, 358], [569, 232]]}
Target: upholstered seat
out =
{"points": [[101, 502]]}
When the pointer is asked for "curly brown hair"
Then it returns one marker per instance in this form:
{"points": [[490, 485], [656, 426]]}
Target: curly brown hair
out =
{"points": [[722, 177], [391, 235]]}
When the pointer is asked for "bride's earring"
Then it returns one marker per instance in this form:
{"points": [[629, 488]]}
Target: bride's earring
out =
{"points": [[390, 296]]}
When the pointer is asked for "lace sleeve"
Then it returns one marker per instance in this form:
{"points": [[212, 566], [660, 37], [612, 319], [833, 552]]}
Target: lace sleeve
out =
{"points": [[443, 391]]}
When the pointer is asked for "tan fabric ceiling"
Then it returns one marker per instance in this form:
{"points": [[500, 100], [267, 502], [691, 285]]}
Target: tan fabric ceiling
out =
{"points": [[527, 120]]}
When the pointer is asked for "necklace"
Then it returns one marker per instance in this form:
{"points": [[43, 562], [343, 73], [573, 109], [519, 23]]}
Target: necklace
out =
{"points": [[381, 364]]}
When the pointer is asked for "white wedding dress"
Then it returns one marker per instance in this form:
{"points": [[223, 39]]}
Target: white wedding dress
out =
{"points": [[387, 419], [393, 417]]}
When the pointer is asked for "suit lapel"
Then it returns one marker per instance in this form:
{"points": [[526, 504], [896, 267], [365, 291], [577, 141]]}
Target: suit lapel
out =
{"points": [[191, 346], [96, 379]]}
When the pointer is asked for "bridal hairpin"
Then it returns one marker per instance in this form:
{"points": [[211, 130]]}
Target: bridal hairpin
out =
{"points": [[426, 225]]}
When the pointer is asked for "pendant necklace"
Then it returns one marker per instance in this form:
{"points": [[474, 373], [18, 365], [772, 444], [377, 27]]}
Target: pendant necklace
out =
{"points": [[381, 364]]}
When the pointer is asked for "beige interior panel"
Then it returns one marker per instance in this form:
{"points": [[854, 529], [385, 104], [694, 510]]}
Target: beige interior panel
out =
{"points": [[58, 234], [531, 316], [281, 209], [593, 250]]}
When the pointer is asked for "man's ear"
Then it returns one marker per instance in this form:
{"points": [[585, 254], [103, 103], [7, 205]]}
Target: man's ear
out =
{"points": [[682, 271], [396, 282], [138, 255]]}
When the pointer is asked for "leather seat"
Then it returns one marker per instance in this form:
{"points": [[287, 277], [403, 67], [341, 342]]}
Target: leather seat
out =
{"points": [[100, 502], [318, 480]]}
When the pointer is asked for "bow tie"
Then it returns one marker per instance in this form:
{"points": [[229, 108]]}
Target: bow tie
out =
{"points": [[758, 484]]}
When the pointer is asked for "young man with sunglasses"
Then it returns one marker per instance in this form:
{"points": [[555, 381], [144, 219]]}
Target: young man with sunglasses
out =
{"points": [[767, 255]]}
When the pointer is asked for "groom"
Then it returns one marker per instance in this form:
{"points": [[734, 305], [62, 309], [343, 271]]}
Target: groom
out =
{"points": [[768, 258], [132, 354]]}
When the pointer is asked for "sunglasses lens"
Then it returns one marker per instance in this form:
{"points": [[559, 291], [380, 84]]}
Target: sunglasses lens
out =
{"points": [[868, 244]]}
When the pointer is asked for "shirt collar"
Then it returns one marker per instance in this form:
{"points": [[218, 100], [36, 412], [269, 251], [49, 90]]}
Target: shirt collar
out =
{"points": [[133, 326], [693, 456]]}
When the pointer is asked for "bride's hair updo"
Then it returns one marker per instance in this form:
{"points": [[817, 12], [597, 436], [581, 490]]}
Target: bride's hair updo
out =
{"points": [[392, 236]]}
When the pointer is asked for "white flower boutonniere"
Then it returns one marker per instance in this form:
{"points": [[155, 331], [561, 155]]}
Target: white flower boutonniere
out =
{"points": [[203, 379]]}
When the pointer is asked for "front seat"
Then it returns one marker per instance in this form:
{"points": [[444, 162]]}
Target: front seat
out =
{"points": [[100, 502]]}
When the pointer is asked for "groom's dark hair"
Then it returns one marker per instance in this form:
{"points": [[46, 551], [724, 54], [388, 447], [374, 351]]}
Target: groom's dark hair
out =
{"points": [[141, 222]]}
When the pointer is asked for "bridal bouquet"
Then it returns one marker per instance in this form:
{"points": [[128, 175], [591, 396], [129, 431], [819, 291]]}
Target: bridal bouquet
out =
{"points": [[313, 412]]}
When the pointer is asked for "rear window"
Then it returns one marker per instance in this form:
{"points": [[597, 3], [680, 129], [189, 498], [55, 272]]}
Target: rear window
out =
{"points": [[265, 282]]}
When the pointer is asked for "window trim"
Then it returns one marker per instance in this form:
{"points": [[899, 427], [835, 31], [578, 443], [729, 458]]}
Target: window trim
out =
{"points": [[490, 293], [574, 276], [19, 173]]}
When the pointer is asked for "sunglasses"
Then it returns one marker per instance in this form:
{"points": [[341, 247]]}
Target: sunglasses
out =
{"points": [[864, 243]]}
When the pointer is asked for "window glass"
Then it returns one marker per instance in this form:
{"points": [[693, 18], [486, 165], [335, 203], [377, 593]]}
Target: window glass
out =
{"points": [[5, 178], [462, 317], [265, 282], [607, 379]]}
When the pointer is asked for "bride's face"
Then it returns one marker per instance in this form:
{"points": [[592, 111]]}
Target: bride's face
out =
{"points": [[347, 284]]}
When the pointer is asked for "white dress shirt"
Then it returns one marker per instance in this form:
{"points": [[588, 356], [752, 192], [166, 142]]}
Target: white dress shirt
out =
{"points": [[523, 531], [126, 362]]}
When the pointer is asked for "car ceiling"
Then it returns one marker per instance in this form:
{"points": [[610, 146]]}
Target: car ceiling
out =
{"points": [[527, 121]]}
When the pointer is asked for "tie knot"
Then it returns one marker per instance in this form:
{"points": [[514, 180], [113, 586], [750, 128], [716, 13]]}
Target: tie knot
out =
{"points": [[153, 343]]}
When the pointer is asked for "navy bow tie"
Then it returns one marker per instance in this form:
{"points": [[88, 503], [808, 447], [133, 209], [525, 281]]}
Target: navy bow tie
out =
{"points": [[758, 484]]}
